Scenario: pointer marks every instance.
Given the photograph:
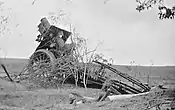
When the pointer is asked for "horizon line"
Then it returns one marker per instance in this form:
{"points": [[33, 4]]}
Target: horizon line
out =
{"points": [[145, 65]]}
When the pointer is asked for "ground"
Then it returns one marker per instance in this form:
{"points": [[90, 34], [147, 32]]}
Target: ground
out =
{"points": [[15, 96]]}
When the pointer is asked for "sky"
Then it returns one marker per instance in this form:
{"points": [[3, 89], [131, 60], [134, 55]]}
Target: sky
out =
{"points": [[126, 35]]}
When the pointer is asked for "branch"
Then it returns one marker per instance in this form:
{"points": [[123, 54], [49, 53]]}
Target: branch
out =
{"points": [[33, 2], [6, 72]]}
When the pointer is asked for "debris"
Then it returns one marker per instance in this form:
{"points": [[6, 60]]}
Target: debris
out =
{"points": [[54, 62], [120, 97], [126, 76], [76, 99]]}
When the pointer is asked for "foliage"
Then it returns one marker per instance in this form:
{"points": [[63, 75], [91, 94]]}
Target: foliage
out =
{"points": [[147, 4], [164, 11]]}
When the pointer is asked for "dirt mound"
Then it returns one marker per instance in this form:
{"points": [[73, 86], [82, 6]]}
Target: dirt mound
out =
{"points": [[162, 99]]}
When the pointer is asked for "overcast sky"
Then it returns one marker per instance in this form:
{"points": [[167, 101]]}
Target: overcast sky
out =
{"points": [[126, 34]]}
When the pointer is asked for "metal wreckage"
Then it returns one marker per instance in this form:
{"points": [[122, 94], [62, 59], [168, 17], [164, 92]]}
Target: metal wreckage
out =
{"points": [[53, 62]]}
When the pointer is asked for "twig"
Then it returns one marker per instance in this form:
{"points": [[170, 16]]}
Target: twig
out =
{"points": [[33, 2]]}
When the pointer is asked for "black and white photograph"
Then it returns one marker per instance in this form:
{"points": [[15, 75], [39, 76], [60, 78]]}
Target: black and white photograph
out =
{"points": [[87, 54]]}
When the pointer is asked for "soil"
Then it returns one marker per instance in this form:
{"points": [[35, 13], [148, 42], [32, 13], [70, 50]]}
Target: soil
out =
{"points": [[15, 96]]}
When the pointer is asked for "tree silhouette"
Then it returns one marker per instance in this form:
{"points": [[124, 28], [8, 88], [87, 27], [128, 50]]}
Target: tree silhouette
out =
{"points": [[164, 11]]}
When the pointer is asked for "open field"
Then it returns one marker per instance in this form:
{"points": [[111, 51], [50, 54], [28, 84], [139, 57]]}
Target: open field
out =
{"points": [[15, 96], [13, 65]]}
